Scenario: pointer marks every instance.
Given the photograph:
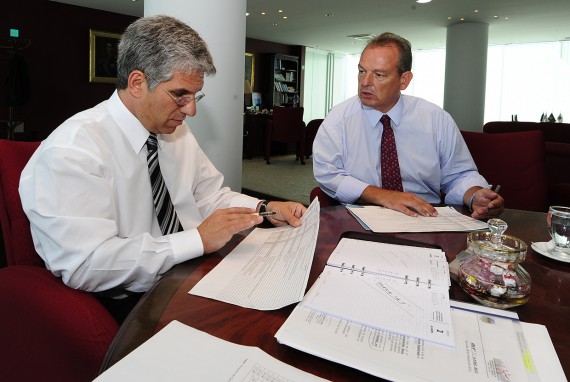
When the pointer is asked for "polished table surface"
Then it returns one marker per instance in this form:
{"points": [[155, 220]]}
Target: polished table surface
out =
{"points": [[169, 300]]}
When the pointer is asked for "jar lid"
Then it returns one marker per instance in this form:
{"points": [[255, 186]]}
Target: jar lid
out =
{"points": [[496, 246]]}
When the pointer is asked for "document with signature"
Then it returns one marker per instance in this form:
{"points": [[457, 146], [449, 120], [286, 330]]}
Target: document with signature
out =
{"points": [[181, 353], [399, 288], [381, 219], [269, 269], [490, 346]]}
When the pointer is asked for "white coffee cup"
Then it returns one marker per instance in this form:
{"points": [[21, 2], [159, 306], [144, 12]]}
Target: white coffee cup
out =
{"points": [[558, 221]]}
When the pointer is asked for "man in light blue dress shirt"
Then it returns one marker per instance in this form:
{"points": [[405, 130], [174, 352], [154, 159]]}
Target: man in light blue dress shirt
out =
{"points": [[433, 157]]}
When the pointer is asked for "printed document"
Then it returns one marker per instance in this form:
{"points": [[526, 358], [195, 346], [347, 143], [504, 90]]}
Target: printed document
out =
{"points": [[488, 347], [181, 353], [269, 269], [398, 288], [381, 219]]}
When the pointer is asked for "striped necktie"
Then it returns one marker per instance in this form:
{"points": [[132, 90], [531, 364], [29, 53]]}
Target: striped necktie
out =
{"points": [[165, 212], [389, 165]]}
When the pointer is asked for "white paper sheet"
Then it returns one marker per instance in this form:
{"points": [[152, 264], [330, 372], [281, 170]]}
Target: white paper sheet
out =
{"points": [[380, 219], [181, 353], [488, 348], [385, 303], [269, 269]]}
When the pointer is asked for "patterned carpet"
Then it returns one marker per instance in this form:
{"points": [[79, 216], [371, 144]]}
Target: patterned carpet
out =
{"points": [[284, 178]]}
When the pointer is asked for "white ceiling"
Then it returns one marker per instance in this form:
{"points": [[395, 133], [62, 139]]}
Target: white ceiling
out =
{"points": [[423, 24]]}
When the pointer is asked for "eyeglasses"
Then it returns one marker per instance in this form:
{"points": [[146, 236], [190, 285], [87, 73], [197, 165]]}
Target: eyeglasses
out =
{"points": [[184, 100]]}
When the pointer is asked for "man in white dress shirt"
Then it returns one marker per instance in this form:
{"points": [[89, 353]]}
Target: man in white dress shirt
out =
{"points": [[86, 190]]}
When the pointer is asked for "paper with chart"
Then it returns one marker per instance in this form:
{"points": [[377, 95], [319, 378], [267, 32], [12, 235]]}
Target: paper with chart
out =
{"points": [[490, 346], [380, 219], [269, 269], [181, 353], [397, 288]]}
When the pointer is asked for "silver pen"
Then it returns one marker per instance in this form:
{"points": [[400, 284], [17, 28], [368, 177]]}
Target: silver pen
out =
{"points": [[267, 213]]}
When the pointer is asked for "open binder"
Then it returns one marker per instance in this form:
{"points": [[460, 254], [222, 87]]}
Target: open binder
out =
{"points": [[387, 283]]}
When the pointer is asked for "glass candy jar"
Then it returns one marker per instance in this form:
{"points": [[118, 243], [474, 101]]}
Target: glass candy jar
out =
{"points": [[491, 273]]}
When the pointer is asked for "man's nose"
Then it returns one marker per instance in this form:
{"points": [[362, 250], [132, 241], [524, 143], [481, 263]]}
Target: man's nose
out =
{"points": [[189, 109]]}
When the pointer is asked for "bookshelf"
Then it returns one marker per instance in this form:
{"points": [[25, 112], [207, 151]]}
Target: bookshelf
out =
{"points": [[285, 80]]}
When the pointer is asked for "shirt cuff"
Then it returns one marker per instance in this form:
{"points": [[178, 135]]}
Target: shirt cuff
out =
{"points": [[350, 190], [186, 245]]}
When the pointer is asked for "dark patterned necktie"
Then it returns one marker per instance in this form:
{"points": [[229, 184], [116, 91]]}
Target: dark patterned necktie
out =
{"points": [[389, 166], [165, 212]]}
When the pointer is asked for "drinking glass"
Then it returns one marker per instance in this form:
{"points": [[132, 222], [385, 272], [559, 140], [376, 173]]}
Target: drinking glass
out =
{"points": [[558, 221]]}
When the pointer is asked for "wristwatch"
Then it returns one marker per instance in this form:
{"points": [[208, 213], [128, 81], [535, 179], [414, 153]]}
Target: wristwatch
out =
{"points": [[263, 206]]}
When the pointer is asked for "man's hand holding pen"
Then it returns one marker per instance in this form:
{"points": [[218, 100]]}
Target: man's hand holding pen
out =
{"points": [[217, 229], [485, 203]]}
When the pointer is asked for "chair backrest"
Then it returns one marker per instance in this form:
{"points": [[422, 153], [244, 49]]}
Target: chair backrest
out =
{"points": [[310, 133], [15, 225], [287, 124], [509, 127], [516, 161], [558, 172], [324, 199]]}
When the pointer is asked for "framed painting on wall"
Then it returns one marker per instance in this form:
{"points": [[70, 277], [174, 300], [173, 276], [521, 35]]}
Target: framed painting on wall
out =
{"points": [[103, 56], [249, 68]]}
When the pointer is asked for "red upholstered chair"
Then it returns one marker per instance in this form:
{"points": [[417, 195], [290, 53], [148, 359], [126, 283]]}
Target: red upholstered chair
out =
{"points": [[558, 172], [48, 331], [516, 161], [310, 133], [286, 126], [324, 199]]}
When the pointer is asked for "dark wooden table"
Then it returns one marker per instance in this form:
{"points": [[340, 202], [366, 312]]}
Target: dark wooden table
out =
{"points": [[169, 300]]}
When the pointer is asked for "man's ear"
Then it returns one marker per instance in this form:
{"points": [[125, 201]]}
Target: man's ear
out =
{"points": [[137, 84], [405, 80]]}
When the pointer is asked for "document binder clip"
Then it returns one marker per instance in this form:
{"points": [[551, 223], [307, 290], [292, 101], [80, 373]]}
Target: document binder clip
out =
{"points": [[352, 269], [417, 281], [429, 284], [341, 267], [362, 271], [406, 279]]}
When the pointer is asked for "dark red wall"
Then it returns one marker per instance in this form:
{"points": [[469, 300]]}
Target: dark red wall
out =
{"points": [[57, 61]]}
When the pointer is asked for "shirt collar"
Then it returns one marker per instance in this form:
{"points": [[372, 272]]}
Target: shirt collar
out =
{"points": [[131, 127], [395, 113]]}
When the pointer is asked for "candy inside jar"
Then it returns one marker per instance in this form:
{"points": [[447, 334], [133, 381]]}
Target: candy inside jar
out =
{"points": [[491, 273]]}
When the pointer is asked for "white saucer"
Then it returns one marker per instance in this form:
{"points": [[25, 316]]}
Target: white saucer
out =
{"points": [[542, 248]]}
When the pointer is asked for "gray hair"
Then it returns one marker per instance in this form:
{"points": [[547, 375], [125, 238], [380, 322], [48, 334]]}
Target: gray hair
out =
{"points": [[403, 45], [161, 46]]}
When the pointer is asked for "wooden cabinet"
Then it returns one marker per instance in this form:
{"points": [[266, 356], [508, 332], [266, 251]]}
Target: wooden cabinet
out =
{"points": [[285, 79]]}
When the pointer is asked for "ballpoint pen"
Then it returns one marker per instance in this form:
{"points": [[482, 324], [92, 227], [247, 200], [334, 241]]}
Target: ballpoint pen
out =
{"points": [[266, 213], [497, 189]]}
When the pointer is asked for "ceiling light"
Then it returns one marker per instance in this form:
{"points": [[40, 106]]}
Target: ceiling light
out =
{"points": [[284, 17], [362, 37], [423, 1]]}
